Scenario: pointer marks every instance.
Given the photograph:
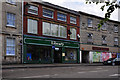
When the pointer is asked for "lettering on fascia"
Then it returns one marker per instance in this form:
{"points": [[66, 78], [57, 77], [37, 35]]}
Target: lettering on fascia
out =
{"points": [[57, 43]]}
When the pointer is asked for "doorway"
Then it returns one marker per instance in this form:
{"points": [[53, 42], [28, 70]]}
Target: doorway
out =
{"points": [[58, 55], [85, 56]]}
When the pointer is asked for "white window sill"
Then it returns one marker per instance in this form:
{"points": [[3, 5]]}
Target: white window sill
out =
{"points": [[10, 26]]}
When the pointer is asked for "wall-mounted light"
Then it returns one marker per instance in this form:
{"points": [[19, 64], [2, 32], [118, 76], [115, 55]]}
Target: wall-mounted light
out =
{"points": [[78, 36]]}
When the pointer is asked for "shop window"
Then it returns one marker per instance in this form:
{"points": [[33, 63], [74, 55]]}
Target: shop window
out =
{"points": [[116, 41], [89, 22], [73, 20], [73, 35], [33, 10], [11, 1], [115, 28], [55, 30], [10, 20], [32, 26], [61, 17], [71, 55], [38, 53], [48, 13], [10, 46]]}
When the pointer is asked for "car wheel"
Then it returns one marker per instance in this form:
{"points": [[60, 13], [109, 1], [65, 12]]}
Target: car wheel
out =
{"points": [[113, 64]]}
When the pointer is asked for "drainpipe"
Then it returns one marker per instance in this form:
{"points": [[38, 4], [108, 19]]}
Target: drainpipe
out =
{"points": [[80, 38], [22, 32]]}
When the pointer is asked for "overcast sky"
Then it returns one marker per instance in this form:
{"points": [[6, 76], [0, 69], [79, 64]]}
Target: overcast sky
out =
{"points": [[80, 5]]}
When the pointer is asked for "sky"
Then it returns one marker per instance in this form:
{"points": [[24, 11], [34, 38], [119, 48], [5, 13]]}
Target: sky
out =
{"points": [[80, 5]]}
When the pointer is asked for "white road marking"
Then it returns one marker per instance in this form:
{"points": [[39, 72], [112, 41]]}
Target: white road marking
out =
{"points": [[99, 71], [115, 75], [104, 70], [98, 68], [36, 76], [81, 72], [55, 74], [93, 71]]}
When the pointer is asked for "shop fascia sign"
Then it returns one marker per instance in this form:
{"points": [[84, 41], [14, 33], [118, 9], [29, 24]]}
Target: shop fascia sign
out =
{"points": [[57, 43]]}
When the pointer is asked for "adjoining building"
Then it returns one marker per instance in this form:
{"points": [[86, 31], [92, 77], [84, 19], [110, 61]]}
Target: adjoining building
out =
{"points": [[97, 45], [11, 31], [51, 34]]}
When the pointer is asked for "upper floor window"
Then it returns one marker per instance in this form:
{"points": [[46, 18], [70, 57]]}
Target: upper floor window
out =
{"points": [[104, 26], [11, 1], [116, 41], [61, 16], [55, 30], [10, 46], [73, 35], [90, 37], [115, 28], [48, 13], [89, 22], [104, 41], [32, 26], [63, 31], [73, 20], [10, 19], [33, 10]]}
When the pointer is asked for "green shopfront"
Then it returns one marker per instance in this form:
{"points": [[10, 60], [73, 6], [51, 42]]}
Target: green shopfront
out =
{"points": [[48, 50]]}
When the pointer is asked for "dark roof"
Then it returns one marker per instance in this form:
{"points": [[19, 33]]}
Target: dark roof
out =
{"points": [[70, 11], [83, 13], [59, 7]]}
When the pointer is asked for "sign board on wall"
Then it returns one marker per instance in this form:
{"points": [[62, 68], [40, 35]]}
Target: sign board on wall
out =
{"points": [[100, 48]]}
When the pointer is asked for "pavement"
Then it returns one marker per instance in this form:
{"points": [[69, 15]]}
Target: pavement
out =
{"points": [[16, 66]]}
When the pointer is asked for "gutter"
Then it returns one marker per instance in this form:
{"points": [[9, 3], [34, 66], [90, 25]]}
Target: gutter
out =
{"points": [[22, 32]]}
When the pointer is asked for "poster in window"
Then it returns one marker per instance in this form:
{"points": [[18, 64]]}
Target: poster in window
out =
{"points": [[96, 56], [29, 56], [106, 56]]}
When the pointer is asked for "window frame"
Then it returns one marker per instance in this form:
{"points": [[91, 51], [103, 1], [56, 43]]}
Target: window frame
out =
{"points": [[48, 13], [75, 38], [13, 46], [89, 37], [33, 27], [64, 16], [12, 19], [104, 39], [116, 26], [90, 24], [116, 41], [51, 30], [104, 26], [33, 9], [72, 21]]}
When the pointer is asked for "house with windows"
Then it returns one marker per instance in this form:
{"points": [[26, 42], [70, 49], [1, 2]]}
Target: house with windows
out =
{"points": [[97, 45], [51, 34], [11, 31]]}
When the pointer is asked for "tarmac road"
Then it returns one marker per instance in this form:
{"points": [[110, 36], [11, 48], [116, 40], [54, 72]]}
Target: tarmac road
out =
{"points": [[62, 72]]}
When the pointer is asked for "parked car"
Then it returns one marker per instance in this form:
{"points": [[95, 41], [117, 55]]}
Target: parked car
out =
{"points": [[112, 61]]}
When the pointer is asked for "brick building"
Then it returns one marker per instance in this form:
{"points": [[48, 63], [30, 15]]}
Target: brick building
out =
{"points": [[11, 31], [96, 44], [51, 34]]}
